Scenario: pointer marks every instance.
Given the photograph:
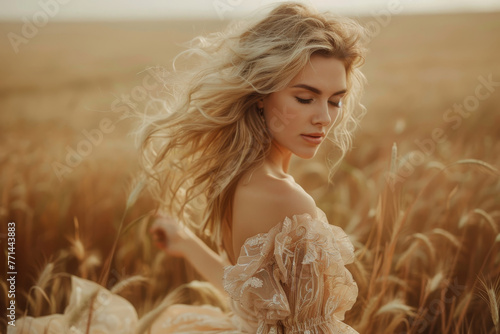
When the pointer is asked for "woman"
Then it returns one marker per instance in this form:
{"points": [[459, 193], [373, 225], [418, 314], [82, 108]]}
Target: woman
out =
{"points": [[259, 95]]}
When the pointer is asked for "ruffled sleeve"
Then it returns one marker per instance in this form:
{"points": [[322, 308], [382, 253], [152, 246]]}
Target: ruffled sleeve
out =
{"points": [[293, 279]]}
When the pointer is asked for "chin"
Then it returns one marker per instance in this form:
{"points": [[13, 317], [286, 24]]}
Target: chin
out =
{"points": [[306, 155]]}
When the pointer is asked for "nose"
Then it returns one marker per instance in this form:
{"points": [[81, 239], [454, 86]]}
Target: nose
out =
{"points": [[322, 114]]}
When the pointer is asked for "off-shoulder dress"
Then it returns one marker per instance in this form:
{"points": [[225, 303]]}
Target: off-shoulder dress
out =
{"points": [[291, 279]]}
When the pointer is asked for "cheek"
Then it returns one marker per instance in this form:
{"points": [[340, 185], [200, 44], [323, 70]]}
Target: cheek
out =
{"points": [[281, 112], [330, 128], [275, 103], [335, 116]]}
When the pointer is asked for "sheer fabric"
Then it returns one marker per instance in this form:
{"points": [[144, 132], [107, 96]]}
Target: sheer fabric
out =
{"points": [[110, 314], [291, 279]]}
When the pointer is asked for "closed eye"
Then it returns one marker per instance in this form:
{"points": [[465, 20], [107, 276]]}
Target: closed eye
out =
{"points": [[336, 104], [303, 101]]}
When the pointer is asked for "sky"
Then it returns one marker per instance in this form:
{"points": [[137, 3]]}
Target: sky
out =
{"points": [[65, 10]]}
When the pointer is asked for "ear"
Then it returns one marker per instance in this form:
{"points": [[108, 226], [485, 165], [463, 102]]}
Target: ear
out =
{"points": [[260, 103]]}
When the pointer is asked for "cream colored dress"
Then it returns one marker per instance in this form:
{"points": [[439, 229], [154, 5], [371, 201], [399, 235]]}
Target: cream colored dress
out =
{"points": [[291, 279]]}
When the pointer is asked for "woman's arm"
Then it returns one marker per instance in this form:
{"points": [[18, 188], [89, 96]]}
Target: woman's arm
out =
{"points": [[177, 240]]}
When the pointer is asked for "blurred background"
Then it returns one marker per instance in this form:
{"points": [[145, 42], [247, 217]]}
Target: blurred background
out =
{"points": [[419, 194]]}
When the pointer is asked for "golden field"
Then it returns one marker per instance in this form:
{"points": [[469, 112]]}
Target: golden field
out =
{"points": [[419, 194]]}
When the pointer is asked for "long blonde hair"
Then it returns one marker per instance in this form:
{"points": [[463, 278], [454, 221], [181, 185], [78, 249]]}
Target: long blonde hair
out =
{"points": [[195, 152]]}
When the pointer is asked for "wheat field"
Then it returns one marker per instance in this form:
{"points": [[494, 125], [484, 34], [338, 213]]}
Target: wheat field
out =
{"points": [[419, 194]]}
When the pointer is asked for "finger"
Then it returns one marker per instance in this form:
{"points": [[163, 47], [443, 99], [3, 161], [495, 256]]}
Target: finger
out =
{"points": [[160, 239], [161, 214], [160, 235], [160, 245], [158, 224]]}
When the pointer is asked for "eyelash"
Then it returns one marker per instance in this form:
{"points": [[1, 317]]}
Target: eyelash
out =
{"points": [[307, 101], [303, 101]]}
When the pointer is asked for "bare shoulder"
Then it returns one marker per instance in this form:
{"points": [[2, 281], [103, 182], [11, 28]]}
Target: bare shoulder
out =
{"points": [[264, 202]]}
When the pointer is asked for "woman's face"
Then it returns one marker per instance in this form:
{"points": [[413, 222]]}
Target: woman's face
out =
{"points": [[301, 115]]}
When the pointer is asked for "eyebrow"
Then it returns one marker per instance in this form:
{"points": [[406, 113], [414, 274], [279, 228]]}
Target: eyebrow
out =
{"points": [[316, 90]]}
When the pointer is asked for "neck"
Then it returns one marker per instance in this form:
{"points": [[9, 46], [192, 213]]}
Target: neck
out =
{"points": [[278, 159]]}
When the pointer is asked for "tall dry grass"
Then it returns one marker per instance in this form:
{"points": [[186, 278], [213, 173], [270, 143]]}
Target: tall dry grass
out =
{"points": [[427, 237], [428, 247]]}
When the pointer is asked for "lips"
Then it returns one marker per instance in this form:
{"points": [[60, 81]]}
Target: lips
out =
{"points": [[314, 138], [316, 134]]}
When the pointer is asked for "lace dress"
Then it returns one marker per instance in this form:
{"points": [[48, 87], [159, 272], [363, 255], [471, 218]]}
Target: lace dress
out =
{"points": [[291, 279]]}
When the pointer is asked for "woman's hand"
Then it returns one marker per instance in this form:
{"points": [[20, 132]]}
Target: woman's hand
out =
{"points": [[169, 235], [177, 240]]}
